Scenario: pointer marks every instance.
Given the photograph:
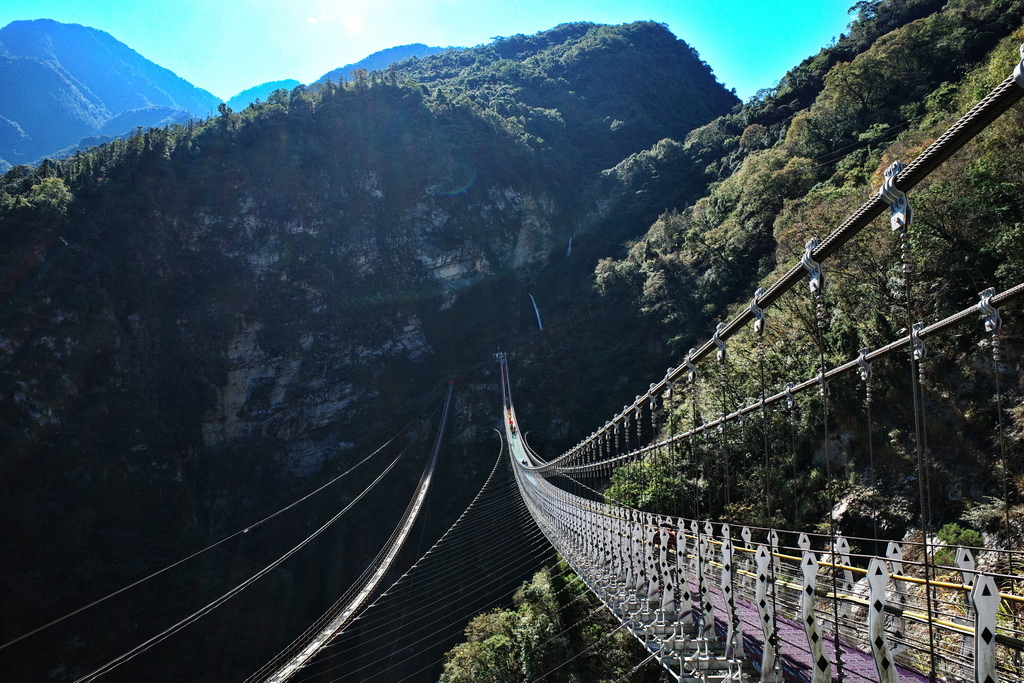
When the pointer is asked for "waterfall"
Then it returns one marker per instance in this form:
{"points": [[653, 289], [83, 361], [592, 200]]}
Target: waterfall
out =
{"points": [[537, 311]]}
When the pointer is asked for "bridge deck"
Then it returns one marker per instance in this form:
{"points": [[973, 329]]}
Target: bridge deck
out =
{"points": [[796, 659]]}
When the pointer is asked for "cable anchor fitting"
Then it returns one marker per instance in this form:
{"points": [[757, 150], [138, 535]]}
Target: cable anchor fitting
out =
{"points": [[690, 367], [991, 315], [863, 365], [717, 338], [896, 198], [812, 267], [916, 344], [757, 311]]}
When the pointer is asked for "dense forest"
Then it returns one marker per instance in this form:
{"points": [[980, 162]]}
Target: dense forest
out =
{"points": [[202, 322]]}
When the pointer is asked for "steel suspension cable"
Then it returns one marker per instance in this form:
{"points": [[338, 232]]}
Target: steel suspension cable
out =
{"points": [[492, 478], [817, 287], [524, 561], [246, 530], [355, 597], [209, 607], [1005, 95], [586, 591], [580, 653], [507, 553], [508, 550]]}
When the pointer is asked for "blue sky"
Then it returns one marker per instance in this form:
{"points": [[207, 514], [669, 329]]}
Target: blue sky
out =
{"points": [[226, 46]]}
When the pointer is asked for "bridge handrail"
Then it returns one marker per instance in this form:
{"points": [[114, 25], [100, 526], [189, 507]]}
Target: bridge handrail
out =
{"points": [[562, 515], [554, 467]]}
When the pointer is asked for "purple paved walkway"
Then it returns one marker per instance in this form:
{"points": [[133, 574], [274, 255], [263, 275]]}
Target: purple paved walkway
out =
{"points": [[858, 666]]}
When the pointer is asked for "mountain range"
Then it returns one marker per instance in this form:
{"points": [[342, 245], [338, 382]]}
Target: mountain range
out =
{"points": [[60, 83], [64, 87]]}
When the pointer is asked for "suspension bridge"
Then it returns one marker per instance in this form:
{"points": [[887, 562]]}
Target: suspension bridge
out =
{"points": [[709, 599], [715, 601]]}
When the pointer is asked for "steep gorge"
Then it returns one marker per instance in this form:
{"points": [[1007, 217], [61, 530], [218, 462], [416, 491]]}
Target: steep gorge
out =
{"points": [[203, 321]]}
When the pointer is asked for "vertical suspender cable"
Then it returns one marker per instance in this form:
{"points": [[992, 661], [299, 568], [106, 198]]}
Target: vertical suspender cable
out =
{"points": [[817, 287], [900, 220]]}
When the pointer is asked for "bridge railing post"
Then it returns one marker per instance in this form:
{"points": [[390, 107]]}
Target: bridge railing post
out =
{"points": [[878, 582], [821, 667], [985, 598], [764, 598]]}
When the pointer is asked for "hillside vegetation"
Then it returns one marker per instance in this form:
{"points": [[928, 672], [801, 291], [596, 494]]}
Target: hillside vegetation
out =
{"points": [[776, 181], [202, 321]]}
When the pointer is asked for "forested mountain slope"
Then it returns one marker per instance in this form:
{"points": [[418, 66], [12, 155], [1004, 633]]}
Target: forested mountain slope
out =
{"points": [[202, 321]]}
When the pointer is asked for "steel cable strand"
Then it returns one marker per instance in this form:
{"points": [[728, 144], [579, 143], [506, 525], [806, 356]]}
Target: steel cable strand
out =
{"points": [[510, 550], [196, 554], [474, 505], [580, 653], [380, 600], [565, 630], [343, 642], [465, 615], [501, 514], [967, 313], [203, 611], [443, 599], [356, 595], [817, 291], [637, 667], [562, 632], [469, 614]]}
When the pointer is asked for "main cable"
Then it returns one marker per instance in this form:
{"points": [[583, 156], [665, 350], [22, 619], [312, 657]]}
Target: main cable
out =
{"points": [[246, 530], [209, 607]]}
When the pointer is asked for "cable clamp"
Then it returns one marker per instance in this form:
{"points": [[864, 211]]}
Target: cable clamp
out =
{"points": [[864, 365], [822, 382], [757, 311], [896, 198], [1018, 73], [812, 267], [991, 316], [717, 338], [690, 367], [916, 344], [790, 399]]}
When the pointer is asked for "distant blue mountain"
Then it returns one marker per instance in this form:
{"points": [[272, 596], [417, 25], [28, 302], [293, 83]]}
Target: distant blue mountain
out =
{"points": [[60, 83], [381, 60], [260, 92]]}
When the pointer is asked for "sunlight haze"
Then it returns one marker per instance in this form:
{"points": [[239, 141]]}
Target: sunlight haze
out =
{"points": [[231, 45]]}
